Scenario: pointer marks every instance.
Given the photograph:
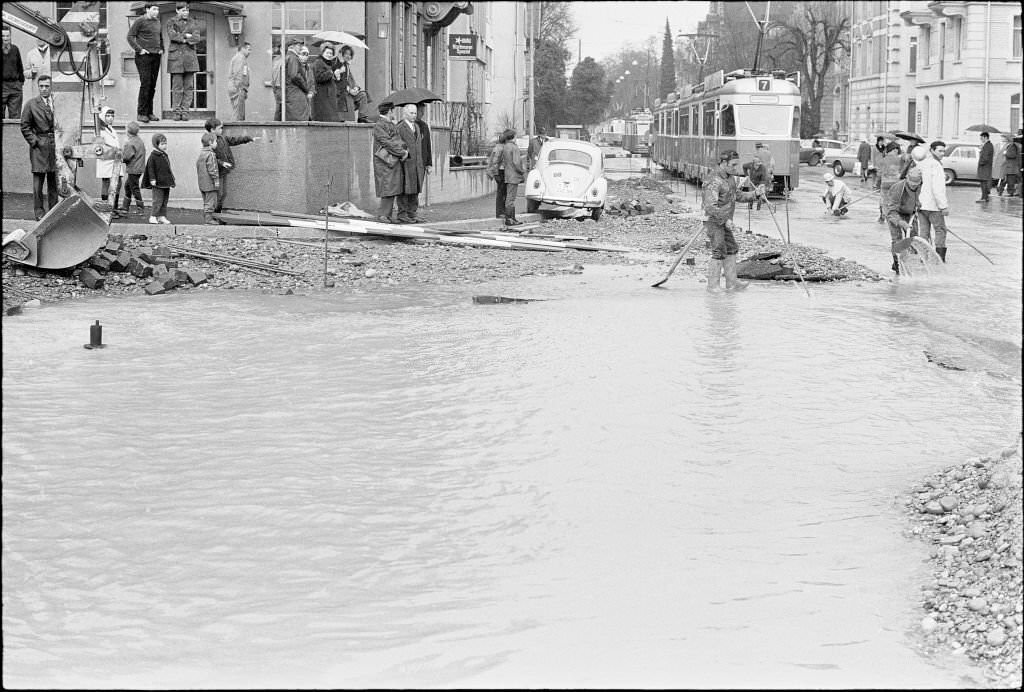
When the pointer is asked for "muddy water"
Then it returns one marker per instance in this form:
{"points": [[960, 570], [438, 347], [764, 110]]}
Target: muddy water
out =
{"points": [[620, 486]]}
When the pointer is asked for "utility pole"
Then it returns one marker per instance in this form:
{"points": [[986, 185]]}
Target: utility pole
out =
{"points": [[531, 23], [702, 60]]}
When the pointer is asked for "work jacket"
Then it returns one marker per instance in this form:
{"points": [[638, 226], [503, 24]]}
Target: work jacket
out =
{"points": [[181, 56], [512, 162], [933, 185], [206, 171]]}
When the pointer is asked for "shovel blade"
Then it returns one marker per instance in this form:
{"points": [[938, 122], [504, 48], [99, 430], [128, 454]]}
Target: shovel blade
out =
{"points": [[67, 235]]}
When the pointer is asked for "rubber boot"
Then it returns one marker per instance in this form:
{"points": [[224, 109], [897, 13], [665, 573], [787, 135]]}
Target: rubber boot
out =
{"points": [[942, 253], [714, 275], [731, 282], [896, 264]]}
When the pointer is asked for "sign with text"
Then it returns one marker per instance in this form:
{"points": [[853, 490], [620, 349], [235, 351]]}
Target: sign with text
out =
{"points": [[462, 46]]}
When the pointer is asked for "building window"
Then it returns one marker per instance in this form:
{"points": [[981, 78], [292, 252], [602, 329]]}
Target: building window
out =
{"points": [[956, 28], [912, 58], [956, 114], [1015, 112], [303, 20], [926, 46], [1016, 37], [939, 117], [925, 116]]}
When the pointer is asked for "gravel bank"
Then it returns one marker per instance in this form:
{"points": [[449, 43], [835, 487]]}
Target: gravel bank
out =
{"points": [[970, 515], [362, 262]]}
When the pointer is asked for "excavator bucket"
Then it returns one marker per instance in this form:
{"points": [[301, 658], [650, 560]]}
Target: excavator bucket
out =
{"points": [[67, 235]]}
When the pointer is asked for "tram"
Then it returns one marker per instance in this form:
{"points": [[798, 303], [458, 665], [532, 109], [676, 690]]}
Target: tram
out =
{"points": [[636, 138], [735, 110]]}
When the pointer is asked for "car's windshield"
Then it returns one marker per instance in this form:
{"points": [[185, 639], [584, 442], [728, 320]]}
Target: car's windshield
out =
{"points": [[570, 156]]}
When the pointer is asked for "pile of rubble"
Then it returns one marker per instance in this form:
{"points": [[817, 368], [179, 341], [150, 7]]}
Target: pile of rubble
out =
{"points": [[970, 515]]}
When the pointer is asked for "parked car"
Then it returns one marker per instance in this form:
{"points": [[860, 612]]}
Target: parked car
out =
{"points": [[845, 161], [569, 173], [830, 148], [961, 161]]}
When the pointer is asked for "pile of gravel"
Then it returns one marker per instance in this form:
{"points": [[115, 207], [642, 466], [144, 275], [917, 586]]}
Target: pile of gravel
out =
{"points": [[970, 514]]}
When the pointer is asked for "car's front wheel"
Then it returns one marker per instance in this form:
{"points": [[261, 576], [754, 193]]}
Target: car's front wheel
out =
{"points": [[532, 205], [950, 176], [838, 169]]}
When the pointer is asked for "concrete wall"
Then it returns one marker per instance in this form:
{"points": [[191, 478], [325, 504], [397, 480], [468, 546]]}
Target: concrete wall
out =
{"points": [[285, 169]]}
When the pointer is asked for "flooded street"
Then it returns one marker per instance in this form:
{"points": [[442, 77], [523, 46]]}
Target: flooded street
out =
{"points": [[619, 486]]}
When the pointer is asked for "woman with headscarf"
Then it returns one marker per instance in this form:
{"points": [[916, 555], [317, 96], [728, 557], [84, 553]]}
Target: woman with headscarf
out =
{"points": [[389, 150], [325, 101], [108, 152], [297, 87]]}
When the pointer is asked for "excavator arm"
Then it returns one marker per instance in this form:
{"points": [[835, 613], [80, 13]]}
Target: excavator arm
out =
{"points": [[74, 228]]}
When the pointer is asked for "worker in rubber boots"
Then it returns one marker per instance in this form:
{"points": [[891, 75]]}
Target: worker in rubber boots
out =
{"points": [[720, 196], [900, 204]]}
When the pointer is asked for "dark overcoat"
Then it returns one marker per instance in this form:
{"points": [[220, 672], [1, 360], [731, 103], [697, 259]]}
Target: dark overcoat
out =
{"points": [[325, 100], [413, 173], [37, 128], [181, 56], [387, 180], [297, 86], [985, 158], [428, 149], [158, 168], [1011, 160], [864, 155]]}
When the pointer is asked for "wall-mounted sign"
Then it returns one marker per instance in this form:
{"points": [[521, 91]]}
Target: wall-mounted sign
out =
{"points": [[462, 46]]}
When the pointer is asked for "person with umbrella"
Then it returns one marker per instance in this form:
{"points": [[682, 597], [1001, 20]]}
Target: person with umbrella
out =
{"points": [[324, 106], [413, 169], [349, 91], [389, 150], [985, 158], [888, 170], [1011, 167]]}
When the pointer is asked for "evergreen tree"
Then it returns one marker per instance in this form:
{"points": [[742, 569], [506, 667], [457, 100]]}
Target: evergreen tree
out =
{"points": [[668, 64], [588, 93], [549, 84]]}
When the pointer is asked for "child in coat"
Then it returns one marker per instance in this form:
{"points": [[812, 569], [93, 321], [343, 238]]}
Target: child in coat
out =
{"points": [[108, 152], [134, 158], [208, 176], [159, 177]]}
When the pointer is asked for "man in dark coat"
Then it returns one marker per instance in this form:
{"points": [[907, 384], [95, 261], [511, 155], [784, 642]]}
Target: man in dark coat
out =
{"points": [[388, 151], [985, 158], [297, 87], [864, 157], [37, 122], [182, 63], [428, 149], [413, 172]]}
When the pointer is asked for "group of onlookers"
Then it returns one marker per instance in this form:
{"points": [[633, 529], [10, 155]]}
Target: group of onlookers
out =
{"points": [[402, 156], [999, 168], [323, 89]]}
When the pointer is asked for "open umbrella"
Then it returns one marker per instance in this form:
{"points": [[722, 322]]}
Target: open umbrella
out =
{"points": [[982, 128], [339, 37], [413, 95], [910, 136]]}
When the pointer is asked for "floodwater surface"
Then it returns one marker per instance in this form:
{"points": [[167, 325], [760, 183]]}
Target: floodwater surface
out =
{"points": [[619, 486]]}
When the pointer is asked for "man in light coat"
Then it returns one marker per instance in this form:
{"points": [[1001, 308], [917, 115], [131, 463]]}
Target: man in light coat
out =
{"points": [[238, 80], [38, 59], [413, 171], [934, 205]]}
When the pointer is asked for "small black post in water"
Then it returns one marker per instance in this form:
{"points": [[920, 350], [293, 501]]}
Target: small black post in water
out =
{"points": [[95, 336]]}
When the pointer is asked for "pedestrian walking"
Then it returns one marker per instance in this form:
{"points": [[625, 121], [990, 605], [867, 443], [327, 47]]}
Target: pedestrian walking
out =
{"points": [[14, 76], [514, 174], [388, 151], [533, 151], [133, 156], [324, 106], [757, 173], [38, 61], [413, 173], [901, 204], [37, 121], [238, 81], [225, 157], [297, 89], [877, 154], [888, 170], [720, 196], [934, 205], [108, 152], [208, 177], [146, 39], [864, 158], [985, 159], [1011, 168], [182, 62], [160, 177], [837, 196], [998, 183]]}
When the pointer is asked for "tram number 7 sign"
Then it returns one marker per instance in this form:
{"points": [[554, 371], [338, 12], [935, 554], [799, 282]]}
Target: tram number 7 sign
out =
{"points": [[462, 46], [764, 85]]}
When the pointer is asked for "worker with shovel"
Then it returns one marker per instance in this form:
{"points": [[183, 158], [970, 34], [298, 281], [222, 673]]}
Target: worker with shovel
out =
{"points": [[720, 196], [900, 207]]}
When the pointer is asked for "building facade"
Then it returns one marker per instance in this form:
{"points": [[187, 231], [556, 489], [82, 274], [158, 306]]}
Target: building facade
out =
{"points": [[968, 67]]}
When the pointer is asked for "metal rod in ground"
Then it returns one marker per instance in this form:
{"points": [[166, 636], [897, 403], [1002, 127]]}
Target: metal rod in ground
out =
{"points": [[799, 271], [787, 209]]}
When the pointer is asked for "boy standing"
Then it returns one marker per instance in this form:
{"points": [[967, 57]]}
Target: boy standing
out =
{"points": [[225, 159], [208, 176], [134, 158]]}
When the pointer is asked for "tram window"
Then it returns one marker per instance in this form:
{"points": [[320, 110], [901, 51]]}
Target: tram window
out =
{"points": [[727, 121], [693, 120], [758, 120], [796, 122], [708, 129]]}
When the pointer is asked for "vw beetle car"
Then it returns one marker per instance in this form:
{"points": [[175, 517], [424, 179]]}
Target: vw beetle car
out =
{"points": [[568, 173]]}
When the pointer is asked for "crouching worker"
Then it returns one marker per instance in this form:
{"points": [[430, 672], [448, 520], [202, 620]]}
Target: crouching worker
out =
{"points": [[899, 205], [837, 195], [720, 196]]}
